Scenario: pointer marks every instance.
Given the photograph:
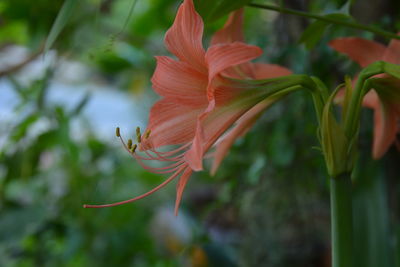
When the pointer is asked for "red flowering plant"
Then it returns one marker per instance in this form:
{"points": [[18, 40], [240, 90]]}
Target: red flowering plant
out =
{"points": [[204, 93], [211, 97]]}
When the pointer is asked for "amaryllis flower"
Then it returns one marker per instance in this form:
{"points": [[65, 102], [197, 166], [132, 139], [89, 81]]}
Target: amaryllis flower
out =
{"points": [[385, 100], [204, 93]]}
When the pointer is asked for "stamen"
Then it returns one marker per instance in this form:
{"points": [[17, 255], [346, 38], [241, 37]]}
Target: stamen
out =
{"points": [[147, 134], [125, 145], [138, 135], [132, 153], [172, 177], [130, 144], [162, 157], [160, 170], [133, 148], [117, 133], [167, 153]]}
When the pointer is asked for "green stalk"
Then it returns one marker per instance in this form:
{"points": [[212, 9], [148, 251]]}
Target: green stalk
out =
{"points": [[341, 221], [349, 24], [360, 89]]}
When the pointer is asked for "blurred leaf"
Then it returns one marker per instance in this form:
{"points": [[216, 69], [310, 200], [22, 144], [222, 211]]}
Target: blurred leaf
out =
{"points": [[62, 18], [15, 32], [280, 148], [18, 88], [112, 63], [42, 87], [345, 9], [315, 30], [255, 170], [48, 139], [211, 10], [313, 33], [82, 103], [22, 127], [155, 18], [16, 223]]}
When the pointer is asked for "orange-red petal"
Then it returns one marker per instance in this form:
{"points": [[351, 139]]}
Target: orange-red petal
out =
{"points": [[385, 129], [222, 56], [194, 156], [171, 123], [370, 100], [392, 53], [362, 51], [184, 38], [267, 71], [178, 80], [180, 187], [213, 123], [385, 100], [232, 30]]}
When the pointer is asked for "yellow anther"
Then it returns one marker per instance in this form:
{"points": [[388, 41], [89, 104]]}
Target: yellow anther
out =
{"points": [[138, 135], [133, 149], [117, 133], [147, 134], [129, 143]]}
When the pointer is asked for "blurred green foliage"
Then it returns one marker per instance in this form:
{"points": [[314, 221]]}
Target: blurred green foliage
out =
{"points": [[48, 175], [268, 205]]}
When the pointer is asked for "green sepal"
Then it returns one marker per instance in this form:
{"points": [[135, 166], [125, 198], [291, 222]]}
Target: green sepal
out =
{"points": [[362, 86], [388, 88], [392, 69], [66, 12], [379, 67], [339, 150], [348, 90]]}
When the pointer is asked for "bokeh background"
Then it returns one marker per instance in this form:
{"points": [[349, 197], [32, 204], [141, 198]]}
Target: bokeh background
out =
{"points": [[268, 205]]}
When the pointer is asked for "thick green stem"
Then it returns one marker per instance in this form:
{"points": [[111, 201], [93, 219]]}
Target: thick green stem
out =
{"points": [[349, 24], [341, 221]]}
